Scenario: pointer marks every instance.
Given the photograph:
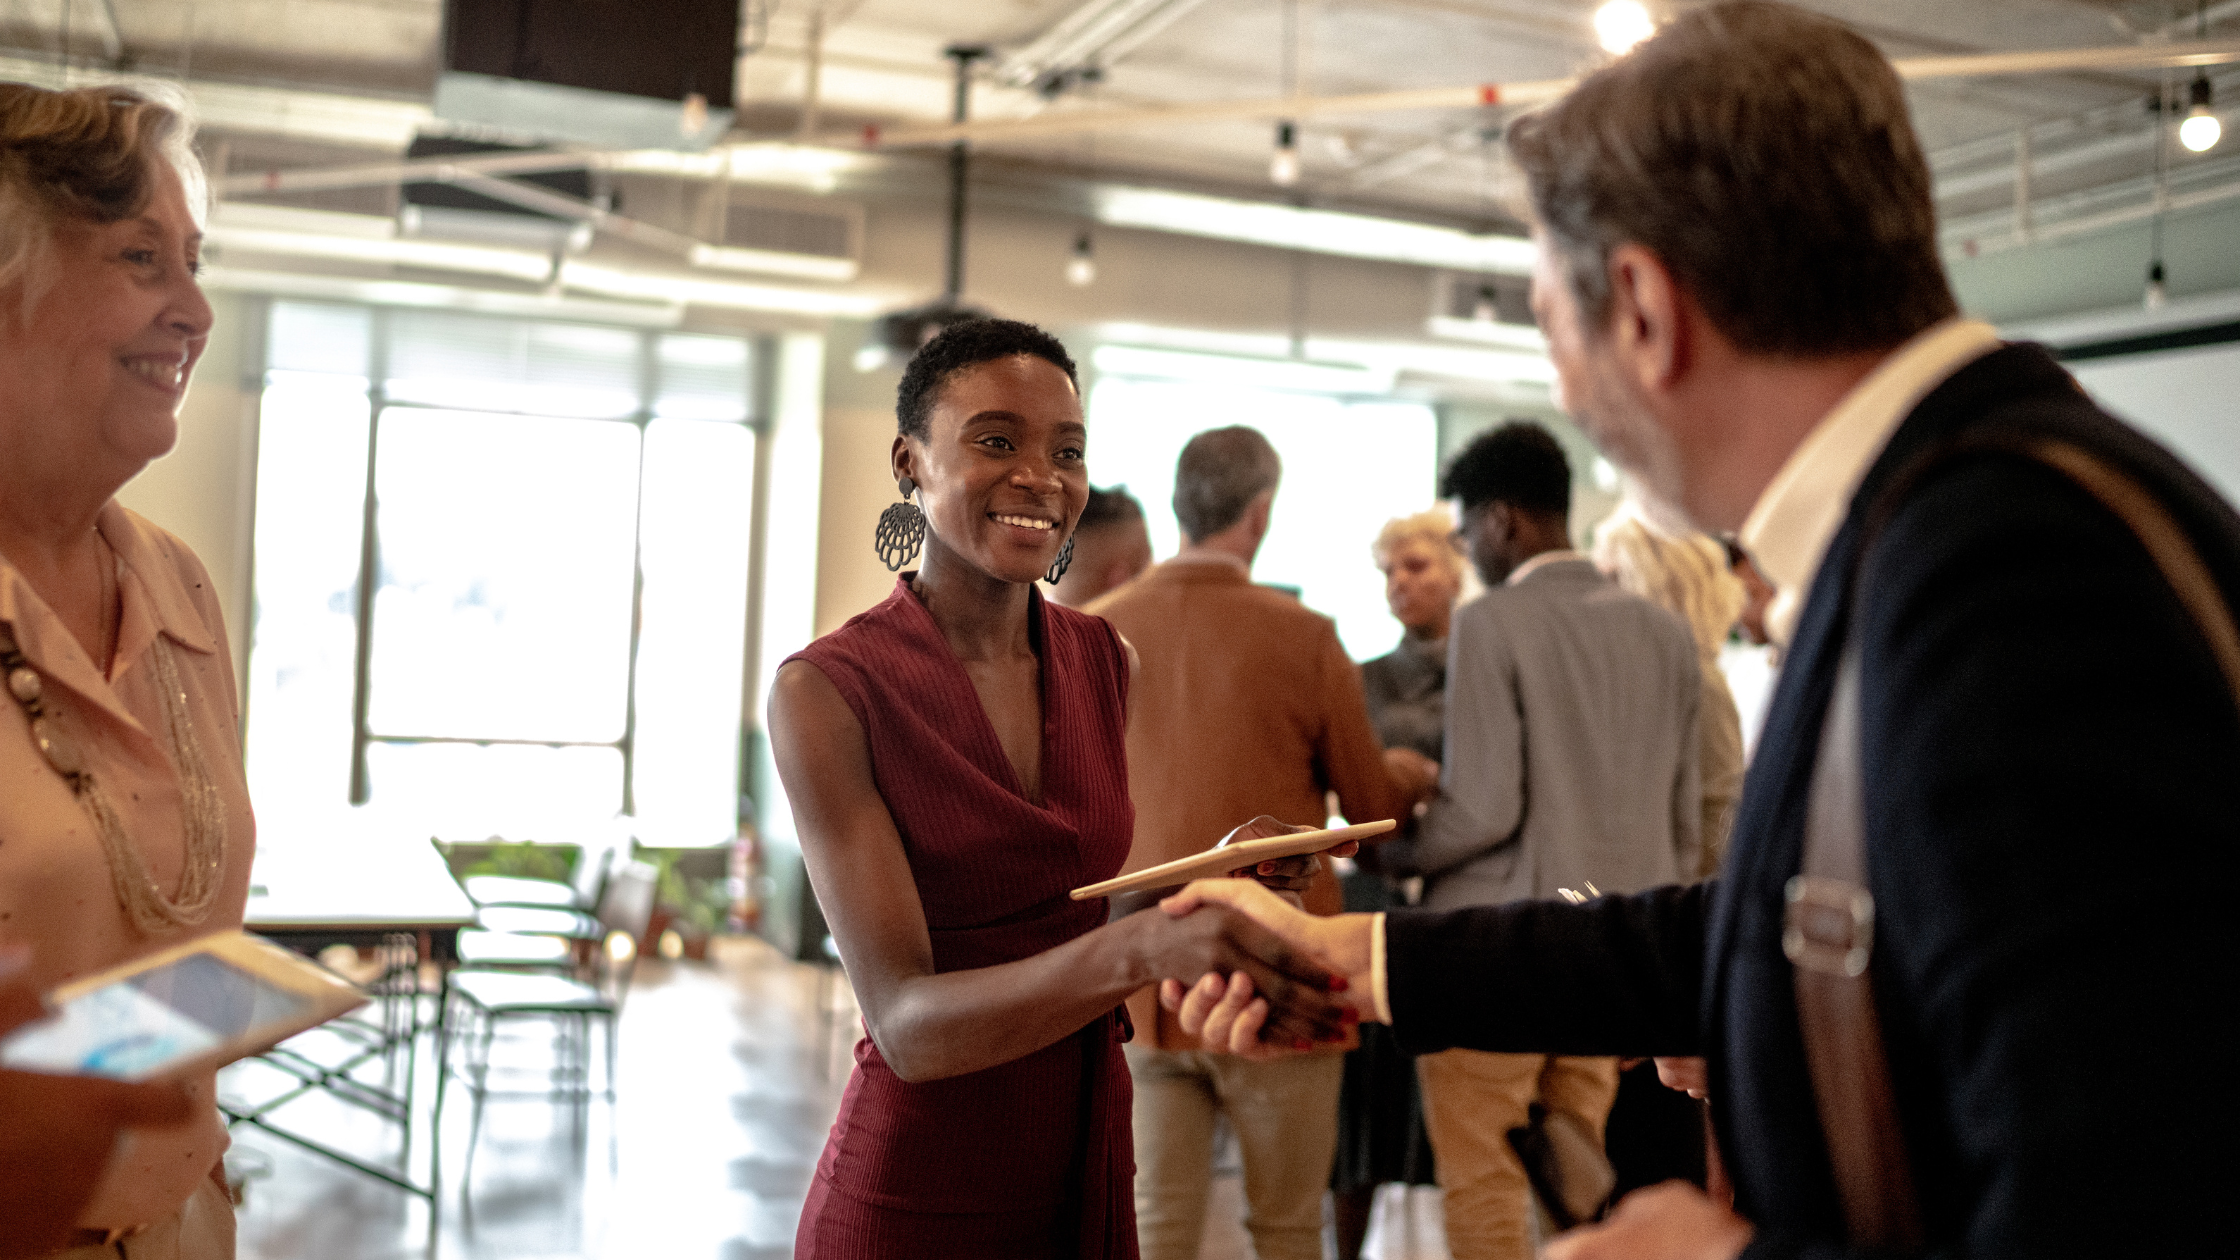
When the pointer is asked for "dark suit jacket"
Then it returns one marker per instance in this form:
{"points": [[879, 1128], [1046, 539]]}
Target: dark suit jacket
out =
{"points": [[2051, 764]]}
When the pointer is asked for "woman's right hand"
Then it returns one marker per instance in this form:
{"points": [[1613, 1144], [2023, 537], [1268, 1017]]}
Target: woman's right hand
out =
{"points": [[1297, 996]]}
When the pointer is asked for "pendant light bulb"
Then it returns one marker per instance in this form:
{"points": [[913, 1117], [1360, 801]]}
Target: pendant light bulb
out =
{"points": [[2157, 291], [1283, 168], [2201, 130], [1081, 268], [1621, 24]]}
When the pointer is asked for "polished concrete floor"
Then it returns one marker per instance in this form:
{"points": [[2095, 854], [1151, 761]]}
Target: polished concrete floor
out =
{"points": [[727, 1082]]}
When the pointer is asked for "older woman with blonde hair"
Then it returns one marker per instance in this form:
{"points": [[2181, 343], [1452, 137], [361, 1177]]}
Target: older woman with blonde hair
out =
{"points": [[1381, 1137], [125, 823], [1685, 573]]}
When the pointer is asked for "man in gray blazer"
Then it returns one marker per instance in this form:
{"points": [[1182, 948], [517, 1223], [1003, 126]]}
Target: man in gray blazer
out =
{"points": [[1570, 765]]}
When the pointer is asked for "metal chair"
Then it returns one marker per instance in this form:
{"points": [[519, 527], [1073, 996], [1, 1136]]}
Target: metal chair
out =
{"points": [[581, 891], [481, 999]]}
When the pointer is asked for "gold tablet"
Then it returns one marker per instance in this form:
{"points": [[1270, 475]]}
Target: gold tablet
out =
{"points": [[1221, 861], [182, 1010]]}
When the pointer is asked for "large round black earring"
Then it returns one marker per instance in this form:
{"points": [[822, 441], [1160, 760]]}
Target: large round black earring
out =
{"points": [[1059, 566], [902, 529]]}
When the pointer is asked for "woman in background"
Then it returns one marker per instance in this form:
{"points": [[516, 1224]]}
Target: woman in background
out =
{"points": [[1656, 1134], [955, 759], [1685, 573], [124, 816], [1381, 1137]]}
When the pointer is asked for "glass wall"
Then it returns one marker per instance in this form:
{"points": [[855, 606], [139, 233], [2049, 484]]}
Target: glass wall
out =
{"points": [[501, 573]]}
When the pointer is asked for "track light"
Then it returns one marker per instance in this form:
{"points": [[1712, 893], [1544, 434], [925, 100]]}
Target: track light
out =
{"points": [[1081, 269], [1283, 168], [1621, 24], [2201, 130]]}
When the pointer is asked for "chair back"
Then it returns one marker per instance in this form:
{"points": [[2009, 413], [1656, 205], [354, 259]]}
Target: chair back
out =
{"points": [[626, 907], [607, 847]]}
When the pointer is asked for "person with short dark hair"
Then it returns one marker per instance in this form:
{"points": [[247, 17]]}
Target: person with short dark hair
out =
{"points": [[1972, 886], [1111, 546], [1246, 702], [1570, 762], [955, 763]]}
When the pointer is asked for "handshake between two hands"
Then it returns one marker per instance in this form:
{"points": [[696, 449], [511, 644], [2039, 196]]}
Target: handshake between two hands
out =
{"points": [[1317, 985]]}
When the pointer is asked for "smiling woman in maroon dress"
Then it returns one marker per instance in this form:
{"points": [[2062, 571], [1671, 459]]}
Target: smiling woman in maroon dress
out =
{"points": [[955, 762]]}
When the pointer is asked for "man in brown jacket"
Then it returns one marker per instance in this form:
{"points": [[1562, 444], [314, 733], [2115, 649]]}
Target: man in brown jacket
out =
{"points": [[1245, 704]]}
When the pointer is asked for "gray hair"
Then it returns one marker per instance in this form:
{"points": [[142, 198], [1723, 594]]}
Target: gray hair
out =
{"points": [[87, 153], [1764, 155], [1219, 475]]}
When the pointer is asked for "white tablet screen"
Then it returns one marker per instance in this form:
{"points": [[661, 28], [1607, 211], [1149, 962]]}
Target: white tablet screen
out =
{"points": [[136, 1027]]}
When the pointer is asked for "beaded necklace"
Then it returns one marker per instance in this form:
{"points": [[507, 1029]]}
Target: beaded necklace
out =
{"points": [[202, 812]]}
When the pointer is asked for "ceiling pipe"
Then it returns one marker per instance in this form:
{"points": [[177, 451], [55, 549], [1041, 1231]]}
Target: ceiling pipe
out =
{"points": [[960, 169], [1977, 65], [1088, 41]]}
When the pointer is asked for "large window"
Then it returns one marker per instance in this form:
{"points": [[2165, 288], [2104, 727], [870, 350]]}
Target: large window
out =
{"points": [[1348, 467], [501, 572]]}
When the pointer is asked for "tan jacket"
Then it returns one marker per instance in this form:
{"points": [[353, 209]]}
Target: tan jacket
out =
{"points": [[1245, 705]]}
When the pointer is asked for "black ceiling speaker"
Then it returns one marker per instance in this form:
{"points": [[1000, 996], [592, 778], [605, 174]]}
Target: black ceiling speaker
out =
{"points": [[619, 72]]}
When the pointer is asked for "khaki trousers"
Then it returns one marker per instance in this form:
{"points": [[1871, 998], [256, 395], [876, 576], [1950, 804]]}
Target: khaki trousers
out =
{"points": [[1471, 1100], [1285, 1114], [202, 1229]]}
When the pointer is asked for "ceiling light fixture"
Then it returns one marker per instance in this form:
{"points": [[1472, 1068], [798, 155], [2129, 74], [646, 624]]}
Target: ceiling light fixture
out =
{"points": [[1621, 24], [1081, 268], [1315, 231], [2201, 130], [1283, 168]]}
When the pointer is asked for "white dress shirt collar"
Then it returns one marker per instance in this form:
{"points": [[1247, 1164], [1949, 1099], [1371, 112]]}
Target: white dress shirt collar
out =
{"points": [[1789, 529], [1539, 562]]}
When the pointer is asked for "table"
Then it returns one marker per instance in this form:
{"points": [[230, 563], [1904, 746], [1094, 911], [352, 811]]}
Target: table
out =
{"points": [[362, 895], [357, 897]]}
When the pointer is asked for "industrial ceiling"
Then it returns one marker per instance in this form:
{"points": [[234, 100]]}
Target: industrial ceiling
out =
{"points": [[309, 83]]}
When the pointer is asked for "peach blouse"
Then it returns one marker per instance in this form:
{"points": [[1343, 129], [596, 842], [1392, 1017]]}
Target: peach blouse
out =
{"points": [[55, 890]]}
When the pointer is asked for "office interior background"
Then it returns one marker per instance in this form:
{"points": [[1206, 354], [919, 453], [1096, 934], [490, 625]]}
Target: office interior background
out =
{"points": [[549, 403]]}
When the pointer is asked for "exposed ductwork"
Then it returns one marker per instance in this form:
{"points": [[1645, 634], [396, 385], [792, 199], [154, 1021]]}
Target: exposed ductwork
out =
{"points": [[1086, 42]]}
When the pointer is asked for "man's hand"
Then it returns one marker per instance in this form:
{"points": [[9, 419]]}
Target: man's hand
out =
{"points": [[1416, 774], [1300, 996], [56, 1132], [1673, 1221], [1689, 1076], [1226, 1016]]}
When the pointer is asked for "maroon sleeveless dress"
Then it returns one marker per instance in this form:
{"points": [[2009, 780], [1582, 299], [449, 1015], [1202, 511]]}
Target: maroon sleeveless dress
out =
{"points": [[1032, 1158]]}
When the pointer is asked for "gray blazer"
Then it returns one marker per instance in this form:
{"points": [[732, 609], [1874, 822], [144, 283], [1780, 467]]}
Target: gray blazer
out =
{"points": [[1570, 749]]}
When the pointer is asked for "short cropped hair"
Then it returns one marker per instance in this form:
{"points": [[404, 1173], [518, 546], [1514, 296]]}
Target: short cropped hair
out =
{"points": [[1519, 464], [1109, 507], [1765, 155], [1434, 526], [1219, 475], [960, 346], [88, 154]]}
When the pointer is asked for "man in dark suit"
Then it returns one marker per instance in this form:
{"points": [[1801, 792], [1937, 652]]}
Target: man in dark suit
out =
{"points": [[1740, 285]]}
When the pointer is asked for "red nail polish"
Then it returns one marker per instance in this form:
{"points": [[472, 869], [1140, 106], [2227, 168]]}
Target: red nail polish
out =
{"points": [[1302, 1044], [1337, 984]]}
